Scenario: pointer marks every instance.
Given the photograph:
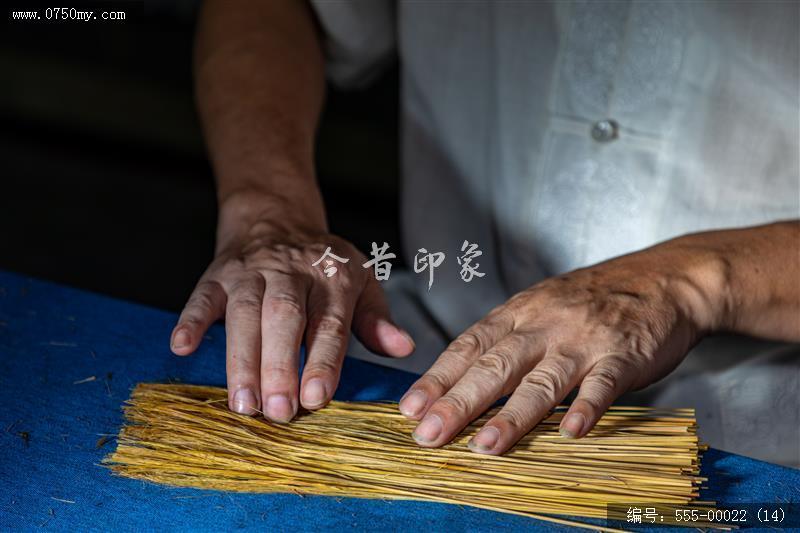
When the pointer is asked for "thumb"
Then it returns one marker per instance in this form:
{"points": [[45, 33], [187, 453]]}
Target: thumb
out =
{"points": [[373, 325]]}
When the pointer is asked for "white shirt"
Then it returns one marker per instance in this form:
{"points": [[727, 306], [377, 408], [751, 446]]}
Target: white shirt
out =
{"points": [[694, 107], [498, 104]]}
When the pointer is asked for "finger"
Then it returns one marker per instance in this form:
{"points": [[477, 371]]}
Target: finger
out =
{"points": [[611, 377], [205, 305], [454, 362], [489, 377], [539, 391], [373, 325], [243, 332], [330, 313], [283, 320]]}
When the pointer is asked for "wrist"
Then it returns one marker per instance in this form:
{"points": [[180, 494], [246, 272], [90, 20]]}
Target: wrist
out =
{"points": [[702, 284], [251, 212]]}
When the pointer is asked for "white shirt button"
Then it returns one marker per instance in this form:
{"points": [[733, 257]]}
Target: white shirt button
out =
{"points": [[605, 130]]}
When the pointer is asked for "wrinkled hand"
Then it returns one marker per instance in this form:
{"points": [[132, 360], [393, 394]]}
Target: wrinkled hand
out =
{"points": [[262, 281], [610, 328]]}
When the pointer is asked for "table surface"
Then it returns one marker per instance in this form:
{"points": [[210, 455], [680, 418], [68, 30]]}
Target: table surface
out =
{"points": [[69, 359]]}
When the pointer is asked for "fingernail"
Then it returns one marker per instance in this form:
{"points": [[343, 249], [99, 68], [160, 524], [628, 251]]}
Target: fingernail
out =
{"points": [[428, 430], [407, 336], [572, 425], [413, 403], [485, 440], [314, 393], [389, 330], [279, 408], [244, 402], [181, 339]]}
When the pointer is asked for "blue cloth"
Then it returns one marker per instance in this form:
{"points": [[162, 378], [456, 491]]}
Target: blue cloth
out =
{"points": [[52, 337]]}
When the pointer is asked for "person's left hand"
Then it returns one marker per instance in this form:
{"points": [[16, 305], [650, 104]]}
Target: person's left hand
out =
{"points": [[610, 328]]}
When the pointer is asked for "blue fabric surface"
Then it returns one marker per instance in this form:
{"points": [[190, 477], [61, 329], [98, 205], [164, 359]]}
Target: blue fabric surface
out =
{"points": [[52, 337]]}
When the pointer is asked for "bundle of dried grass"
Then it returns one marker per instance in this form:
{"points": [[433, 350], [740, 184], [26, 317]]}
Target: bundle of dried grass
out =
{"points": [[186, 436]]}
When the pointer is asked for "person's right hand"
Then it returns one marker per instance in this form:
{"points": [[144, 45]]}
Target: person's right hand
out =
{"points": [[264, 285]]}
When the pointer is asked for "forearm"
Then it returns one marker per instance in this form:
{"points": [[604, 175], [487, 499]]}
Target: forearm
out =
{"points": [[749, 279], [260, 85]]}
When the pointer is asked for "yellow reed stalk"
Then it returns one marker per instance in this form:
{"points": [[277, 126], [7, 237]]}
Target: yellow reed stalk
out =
{"points": [[185, 436]]}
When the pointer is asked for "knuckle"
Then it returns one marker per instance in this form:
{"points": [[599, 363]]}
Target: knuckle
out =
{"points": [[245, 304], [200, 301], [467, 342], [231, 268], [542, 384], [280, 368], [258, 256], [604, 380], [242, 365], [333, 326], [249, 283], [565, 366], [495, 363], [192, 319], [284, 304], [243, 369], [503, 319], [557, 374], [324, 366], [594, 403], [502, 314], [513, 418], [453, 404], [433, 380], [372, 301]]}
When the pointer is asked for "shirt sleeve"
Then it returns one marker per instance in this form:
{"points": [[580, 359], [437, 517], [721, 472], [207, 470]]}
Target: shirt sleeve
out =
{"points": [[359, 39]]}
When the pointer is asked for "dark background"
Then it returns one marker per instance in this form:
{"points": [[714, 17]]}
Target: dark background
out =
{"points": [[104, 182]]}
